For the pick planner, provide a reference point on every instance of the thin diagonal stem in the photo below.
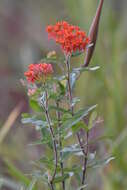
(60, 144)
(85, 160)
(69, 83)
(53, 139)
(71, 99)
(51, 185)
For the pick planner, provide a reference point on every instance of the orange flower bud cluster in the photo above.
(36, 72)
(71, 38)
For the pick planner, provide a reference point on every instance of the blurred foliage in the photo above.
(22, 41)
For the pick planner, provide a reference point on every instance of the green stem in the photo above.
(72, 111)
(60, 145)
(53, 139)
(85, 160)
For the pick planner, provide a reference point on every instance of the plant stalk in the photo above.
(85, 160)
(71, 107)
(53, 139)
(60, 144)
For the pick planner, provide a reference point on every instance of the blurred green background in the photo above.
(23, 40)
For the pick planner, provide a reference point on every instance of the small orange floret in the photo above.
(71, 38)
(37, 71)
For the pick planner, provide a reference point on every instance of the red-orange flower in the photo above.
(71, 38)
(36, 72)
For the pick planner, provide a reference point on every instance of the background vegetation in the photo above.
(23, 40)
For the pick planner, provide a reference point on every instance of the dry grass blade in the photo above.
(10, 121)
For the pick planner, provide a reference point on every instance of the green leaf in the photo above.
(100, 138)
(76, 72)
(48, 162)
(34, 121)
(40, 142)
(39, 175)
(77, 117)
(74, 101)
(62, 88)
(35, 105)
(70, 151)
(61, 178)
(53, 96)
(92, 118)
(78, 126)
(59, 109)
(82, 69)
(68, 135)
(101, 163)
(73, 78)
(46, 137)
(25, 115)
(75, 169)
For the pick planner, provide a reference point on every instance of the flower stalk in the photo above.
(53, 140)
(72, 111)
(85, 159)
(60, 144)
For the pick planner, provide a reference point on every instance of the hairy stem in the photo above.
(85, 160)
(60, 145)
(69, 83)
(70, 96)
(72, 110)
(53, 139)
(51, 185)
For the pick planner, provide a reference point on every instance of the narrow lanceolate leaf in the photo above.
(73, 77)
(77, 117)
(82, 69)
(48, 162)
(40, 142)
(73, 150)
(62, 110)
(34, 121)
(101, 163)
(75, 101)
(78, 126)
(77, 71)
(93, 33)
(61, 178)
(92, 118)
(35, 106)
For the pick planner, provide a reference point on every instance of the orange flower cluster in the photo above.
(39, 71)
(71, 38)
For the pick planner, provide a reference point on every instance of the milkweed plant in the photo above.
(64, 130)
